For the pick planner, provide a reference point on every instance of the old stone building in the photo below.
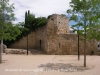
(55, 38)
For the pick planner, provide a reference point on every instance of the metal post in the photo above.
(84, 50)
(27, 44)
(78, 49)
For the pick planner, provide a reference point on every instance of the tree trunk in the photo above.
(1, 51)
(0, 55)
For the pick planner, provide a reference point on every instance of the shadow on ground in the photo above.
(62, 67)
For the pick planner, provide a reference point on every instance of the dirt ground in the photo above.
(13, 64)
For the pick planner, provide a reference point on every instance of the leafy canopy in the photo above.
(7, 30)
(33, 23)
(86, 14)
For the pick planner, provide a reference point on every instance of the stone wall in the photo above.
(41, 38)
(36, 40)
(68, 45)
(55, 38)
(62, 25)
(60, 41)
(22, 43)
(91, 46)
(63, 44)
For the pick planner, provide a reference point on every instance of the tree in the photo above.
(32, 23)
(29, 20)
(11, 32)
(86, 14)
(6, 16)
(74, 15)
(16, 31)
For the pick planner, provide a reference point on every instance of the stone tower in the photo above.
(57, 26)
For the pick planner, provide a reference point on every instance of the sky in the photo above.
(40, 8)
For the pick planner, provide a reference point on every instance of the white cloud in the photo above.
(39, 7)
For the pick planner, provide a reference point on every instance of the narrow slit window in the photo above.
(40, 44)
(59, 45)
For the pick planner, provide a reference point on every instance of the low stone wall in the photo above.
(16, 51)
(23, 51)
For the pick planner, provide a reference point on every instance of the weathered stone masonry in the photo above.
(55, 38)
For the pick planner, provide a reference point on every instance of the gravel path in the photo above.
(48, 65)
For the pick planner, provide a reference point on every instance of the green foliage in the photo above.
(41, 21)
(86, 14)
(33, 23)
(6, 10)
(49, 16)
(30, 25)
(7, 30)
(11, 32)
(17, 29)
(22, 29)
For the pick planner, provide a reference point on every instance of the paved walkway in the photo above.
(48, 65)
